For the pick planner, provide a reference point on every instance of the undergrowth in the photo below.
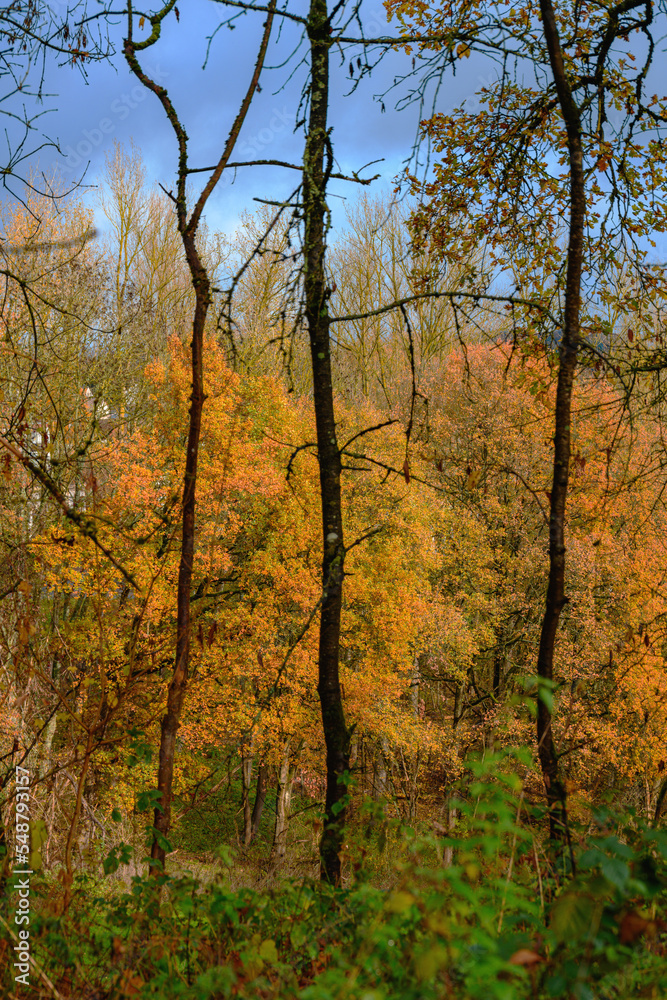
(500, 923)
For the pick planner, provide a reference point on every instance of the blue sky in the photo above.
(109, 104)
(89, 112)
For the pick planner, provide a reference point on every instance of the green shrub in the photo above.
(498, 924)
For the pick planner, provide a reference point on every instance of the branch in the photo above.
(301, 447)
(475, 296)
(89, 234)
(397, 472)
(362, 538)
(84, 524)
(289, 166)
(513, 472)
(266, 10)
(368, 430)
(238, 122)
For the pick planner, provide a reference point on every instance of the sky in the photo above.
(89, 112)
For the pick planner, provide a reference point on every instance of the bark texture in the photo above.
(285, 777)
(316, 170)
(568, 352)
(260, 799)
(178, 685)
(246, 776)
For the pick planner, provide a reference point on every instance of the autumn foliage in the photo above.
(445, 502)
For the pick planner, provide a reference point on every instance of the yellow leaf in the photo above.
(429, 962)
(474, 477)
(142, 21)
(399, 901)
(437, 924)
(268, 952)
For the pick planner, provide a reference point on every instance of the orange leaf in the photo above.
(526, 958)
(474, 476)
(633, 925)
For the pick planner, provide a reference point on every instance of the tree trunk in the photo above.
(380, 783)
(179, 681)
(260, 798)
(45, 750)
(246, 778)
(286, 772)
(568, 350)
(413, 761)
(188, 228)
(315, 176)
(497, 672)
(660, 802)
(451, 815)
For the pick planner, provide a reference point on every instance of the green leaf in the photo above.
(298, 936)
(430, 962)
(338, 807)
(38, 837)
(162, 842)
(110, 863)
(148, 800)
(545, 692)
(399, 901)
(267, 951)
(615, 871)
(572, 916)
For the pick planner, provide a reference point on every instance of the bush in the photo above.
(498, 924)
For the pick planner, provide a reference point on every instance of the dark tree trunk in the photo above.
(317, 166)
(178, 684)
(568, 350)
(497, 671)
(380, 782)
(188, 228)
(260, 799)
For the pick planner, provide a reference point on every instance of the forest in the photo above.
(333, 545)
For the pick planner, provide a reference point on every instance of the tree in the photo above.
(588, 111)
(188, 226)
(312, 281)
(316, 294)
(30, 35)
(73, 383)
(309, 207)
(374, 266)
